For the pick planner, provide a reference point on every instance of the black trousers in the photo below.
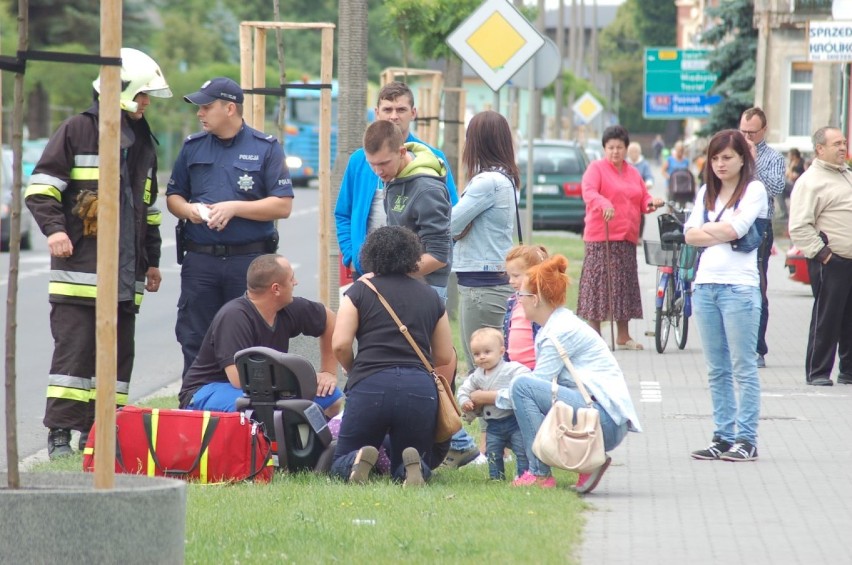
(763, 253)
(71, 386)
(831, 318)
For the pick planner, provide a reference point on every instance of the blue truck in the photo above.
(301, 142)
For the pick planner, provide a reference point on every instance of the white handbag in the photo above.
(565, 443)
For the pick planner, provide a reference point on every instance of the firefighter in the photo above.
(63, 198)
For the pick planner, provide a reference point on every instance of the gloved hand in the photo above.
(86, 209)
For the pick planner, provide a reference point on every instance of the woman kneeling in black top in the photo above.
(389, 392)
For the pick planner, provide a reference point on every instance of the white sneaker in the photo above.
(481, 459)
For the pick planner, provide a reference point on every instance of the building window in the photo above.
(801, 88)
(811, 6)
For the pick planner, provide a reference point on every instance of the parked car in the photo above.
(6, 206)
(32, 150)
(558, 168)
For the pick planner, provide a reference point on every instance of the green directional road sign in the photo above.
(677, 83)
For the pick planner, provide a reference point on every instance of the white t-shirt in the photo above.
(720, 264)
(378, 217)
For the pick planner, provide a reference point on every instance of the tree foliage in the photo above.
(656, 22)
(424, 25)
(734, 42)
(649, 23)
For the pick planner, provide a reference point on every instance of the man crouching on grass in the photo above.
(267, 315)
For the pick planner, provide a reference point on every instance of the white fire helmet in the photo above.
(139, 73)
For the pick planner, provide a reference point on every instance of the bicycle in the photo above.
(675, 262)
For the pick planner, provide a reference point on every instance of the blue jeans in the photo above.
(501, 434)
(222, 397)
(532, 399)
(400, 402)
(728, 317)
(442, 292)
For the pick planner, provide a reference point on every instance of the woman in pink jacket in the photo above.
(616, 198)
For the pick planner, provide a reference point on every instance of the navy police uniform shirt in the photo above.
(248, 167)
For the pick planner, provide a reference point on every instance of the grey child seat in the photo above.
(278, 390)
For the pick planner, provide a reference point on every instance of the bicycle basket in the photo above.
(688, 262)
(656, 255)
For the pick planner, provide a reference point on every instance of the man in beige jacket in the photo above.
(820, 220)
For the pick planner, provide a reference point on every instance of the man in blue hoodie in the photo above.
(359, 206)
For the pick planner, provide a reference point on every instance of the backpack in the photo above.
(682, 183)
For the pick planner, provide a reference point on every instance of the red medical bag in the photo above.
(194, 445)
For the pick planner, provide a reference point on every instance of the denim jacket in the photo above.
(591, 358)
(487, 202)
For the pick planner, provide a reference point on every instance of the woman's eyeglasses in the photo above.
(521, 293)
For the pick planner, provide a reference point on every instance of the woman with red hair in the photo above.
(542, 296)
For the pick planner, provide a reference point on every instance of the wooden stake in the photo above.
(108, 203)
(324, 174)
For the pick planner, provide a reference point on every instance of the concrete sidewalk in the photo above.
(792, 505)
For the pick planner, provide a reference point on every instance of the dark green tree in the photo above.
(649, 23)
(656, 22)
(734, 50)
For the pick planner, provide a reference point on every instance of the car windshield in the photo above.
(552, 160)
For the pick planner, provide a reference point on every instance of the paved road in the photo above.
(793, 505)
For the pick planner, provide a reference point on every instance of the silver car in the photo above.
(6, 206)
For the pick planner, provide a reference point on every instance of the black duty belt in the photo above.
(226, 250)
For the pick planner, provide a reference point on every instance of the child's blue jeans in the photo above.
(499, 435)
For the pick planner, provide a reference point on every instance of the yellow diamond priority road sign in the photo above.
(496, 40)
(587, 107)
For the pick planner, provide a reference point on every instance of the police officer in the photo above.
(229, 184)
(63, 198)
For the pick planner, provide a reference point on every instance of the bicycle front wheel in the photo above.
(663, 323)
(681, 330)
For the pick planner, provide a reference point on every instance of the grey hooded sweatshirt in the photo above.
(417, 199)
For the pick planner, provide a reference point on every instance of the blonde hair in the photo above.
(530, 254)
(487, 333)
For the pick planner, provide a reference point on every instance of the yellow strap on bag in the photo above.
(155, 420)
(202, 466)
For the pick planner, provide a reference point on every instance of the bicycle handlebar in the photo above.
(673, 237)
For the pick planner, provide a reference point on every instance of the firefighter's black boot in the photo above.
(58, 443)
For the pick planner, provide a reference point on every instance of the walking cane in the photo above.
(609, 287)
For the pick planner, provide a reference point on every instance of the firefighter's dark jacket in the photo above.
(68, 166)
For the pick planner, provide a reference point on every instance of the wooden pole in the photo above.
(259, 81)
(13, 474)
(108, 202)
(246, 72)
(325, 204)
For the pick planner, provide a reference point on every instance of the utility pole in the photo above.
(560, 78)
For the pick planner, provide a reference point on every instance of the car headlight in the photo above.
(294, 163)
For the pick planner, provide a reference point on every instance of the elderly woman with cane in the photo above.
(616, 198)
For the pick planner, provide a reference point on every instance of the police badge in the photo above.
(245, 183)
